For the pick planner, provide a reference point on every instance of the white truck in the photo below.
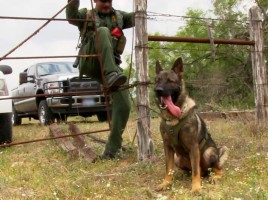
(52, 78)
(5, 107)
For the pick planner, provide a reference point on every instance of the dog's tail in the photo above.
(223, 155)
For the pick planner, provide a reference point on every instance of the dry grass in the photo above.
(43, 171)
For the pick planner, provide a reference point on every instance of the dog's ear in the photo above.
(158, 67)
(178, 67)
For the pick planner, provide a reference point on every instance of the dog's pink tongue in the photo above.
(175, 110)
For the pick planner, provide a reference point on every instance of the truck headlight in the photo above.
(3, 88)
(54, 87)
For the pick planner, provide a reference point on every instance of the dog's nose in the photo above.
(159, 90)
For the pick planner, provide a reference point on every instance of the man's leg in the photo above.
(121, 101)
(120, 115)
(91, 66)
(112, 73)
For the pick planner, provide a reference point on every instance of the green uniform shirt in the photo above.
(73, 12)
(90, 66)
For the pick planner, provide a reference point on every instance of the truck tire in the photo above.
(45, 115)
(16, 120)
(5, 128)
(102, 116)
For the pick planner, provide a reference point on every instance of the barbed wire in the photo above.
(43, 19)
(182, 21)
(202, 24)
(45, 57)
(156, 14)
(200, 21)
(152, 16)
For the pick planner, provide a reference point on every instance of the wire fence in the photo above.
(199, 21)
(155, 14)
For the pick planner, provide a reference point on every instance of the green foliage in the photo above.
(224, 78)
(218, 78)
(264, 5)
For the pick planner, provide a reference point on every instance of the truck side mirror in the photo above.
(5, 69)
(23, 77)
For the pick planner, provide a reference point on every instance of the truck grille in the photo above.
(85, 84)
(67, 101)
(79, 100)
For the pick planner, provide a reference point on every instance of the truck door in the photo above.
(30, 90)
(18, 103)
(19, 92)
(28, 105)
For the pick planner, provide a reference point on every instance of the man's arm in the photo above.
(128, 19)
(73, 12)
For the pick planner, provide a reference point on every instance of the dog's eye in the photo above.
(172, 79)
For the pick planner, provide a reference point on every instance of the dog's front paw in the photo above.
(196, 187)
(218, 173)
(163, 186)
(214, 178)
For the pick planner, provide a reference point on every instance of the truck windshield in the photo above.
(55, 68)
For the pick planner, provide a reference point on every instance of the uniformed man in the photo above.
(109, 23)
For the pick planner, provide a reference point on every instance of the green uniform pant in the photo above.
(120, 99)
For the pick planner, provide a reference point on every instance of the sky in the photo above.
(60, 38)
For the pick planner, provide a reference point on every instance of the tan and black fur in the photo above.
(187, 142)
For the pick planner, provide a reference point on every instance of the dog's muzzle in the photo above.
(159, 91)
(166, 100)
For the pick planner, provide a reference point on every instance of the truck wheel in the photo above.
(102, 116)
(16, 120)
(45, 115)
(5, 128)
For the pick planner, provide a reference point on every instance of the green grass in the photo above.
(44, 171)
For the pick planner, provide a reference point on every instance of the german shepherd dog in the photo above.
(187, 142)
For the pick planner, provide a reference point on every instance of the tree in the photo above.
(209, 77)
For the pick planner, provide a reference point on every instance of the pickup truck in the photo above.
(54, 78)
(5, 107)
